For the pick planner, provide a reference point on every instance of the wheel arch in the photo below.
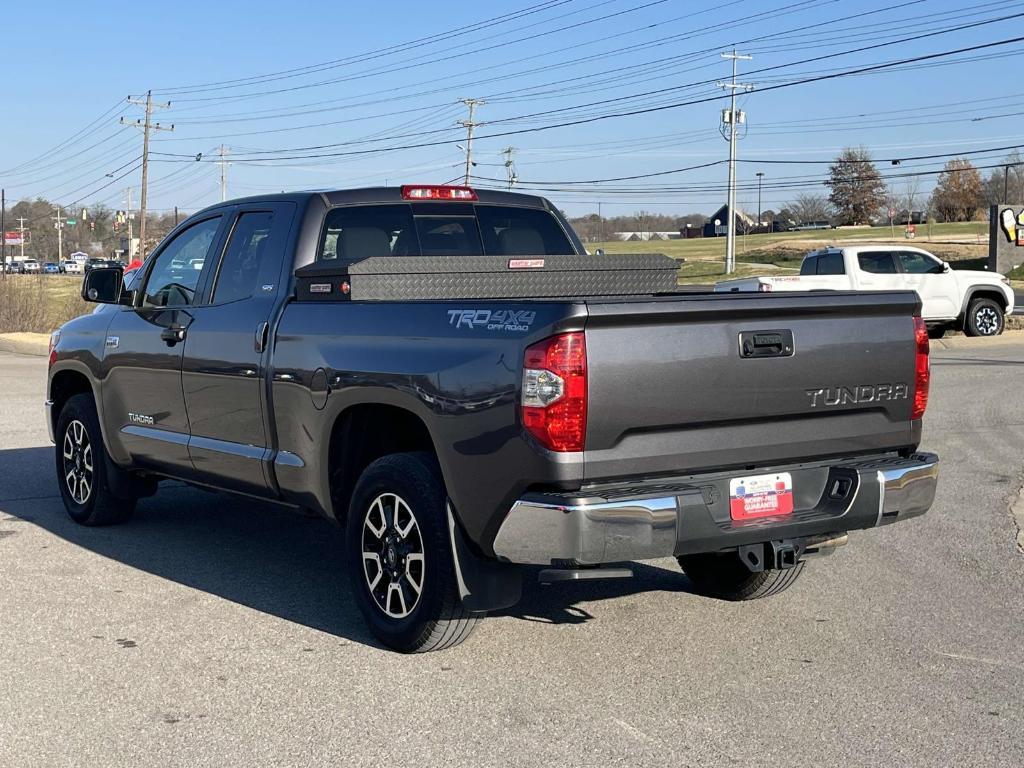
(65, 384)
(363, 433)
(983, 292)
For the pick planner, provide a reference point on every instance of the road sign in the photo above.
(13, 238)
(892, 213)
(72, 222)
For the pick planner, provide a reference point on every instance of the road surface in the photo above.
(213, 631)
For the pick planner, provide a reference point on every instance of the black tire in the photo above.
(726, 577)
(985, 317)
(392, 491)
(82, 467)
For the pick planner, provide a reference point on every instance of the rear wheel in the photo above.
(984, 318)
(82, 467)
(726, 577)
(400, 559)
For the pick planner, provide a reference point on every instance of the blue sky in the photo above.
(384, 82)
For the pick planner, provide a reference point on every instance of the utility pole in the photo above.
(59, 226)
(21, 231)
(128, 220)
(731, 120)
(510, 169)
(600, 222)
(223, 173)
(469, 125)
(146, 125)
(760, 175)
(3, 232)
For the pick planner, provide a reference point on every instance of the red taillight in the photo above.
(554, 397)
(922, 369)
(442, 192)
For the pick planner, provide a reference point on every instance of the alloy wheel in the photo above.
(393, 556)
(78, 468)
(987, 321)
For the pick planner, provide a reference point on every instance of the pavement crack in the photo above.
(1017, 513)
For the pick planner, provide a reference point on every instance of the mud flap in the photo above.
(484, 585)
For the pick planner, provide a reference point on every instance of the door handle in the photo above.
(261, 336)
(172, 336)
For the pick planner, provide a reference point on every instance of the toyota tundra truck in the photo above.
(449, 376)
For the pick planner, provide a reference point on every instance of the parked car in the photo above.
(448, 375)
(12, 267)
(51, 268)
(977, 302)
(30, 267)
(93, 263)
(72, 267)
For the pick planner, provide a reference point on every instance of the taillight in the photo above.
(437, 192)
(51, 352)
(922, 369)
(554, 398)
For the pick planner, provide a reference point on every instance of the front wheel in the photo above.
(82, 468)
(984, 318)
(400, 558)
(726, 577)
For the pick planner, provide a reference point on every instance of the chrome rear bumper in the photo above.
(615, 525)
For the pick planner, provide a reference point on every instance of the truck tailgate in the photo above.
(670, 392)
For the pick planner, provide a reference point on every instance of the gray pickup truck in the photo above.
(449, 375)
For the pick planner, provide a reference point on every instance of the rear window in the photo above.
(877, 262)
(830, 264)
(357, 232)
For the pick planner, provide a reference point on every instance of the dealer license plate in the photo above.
(761, 496)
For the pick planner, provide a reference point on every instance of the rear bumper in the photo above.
(613, 524)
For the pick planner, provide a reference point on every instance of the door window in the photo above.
(173, 279)
(877, 262)
(240, 265)
(831, 264)
(915, 263)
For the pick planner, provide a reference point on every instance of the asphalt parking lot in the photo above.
(212, 631)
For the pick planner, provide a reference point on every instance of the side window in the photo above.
(809, 266)
(877, 262)
(831, 264)
(240, 265)
(919, 264)
(175, 275)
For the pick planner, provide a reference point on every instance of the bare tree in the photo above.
(809, 207)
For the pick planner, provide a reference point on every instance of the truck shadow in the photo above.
(257, 554)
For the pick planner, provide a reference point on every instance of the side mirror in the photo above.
(104, 285)
(599, 252)
(946, 267)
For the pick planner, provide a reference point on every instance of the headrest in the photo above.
(363, 242)
(520, 242)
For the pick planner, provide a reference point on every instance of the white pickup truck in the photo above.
(977, 302)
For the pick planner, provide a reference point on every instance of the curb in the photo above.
(25, 343)
(977, 342)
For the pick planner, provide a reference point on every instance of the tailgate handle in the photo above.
(777, 343)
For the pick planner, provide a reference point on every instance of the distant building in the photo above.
(744, 223)
(635, 237)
